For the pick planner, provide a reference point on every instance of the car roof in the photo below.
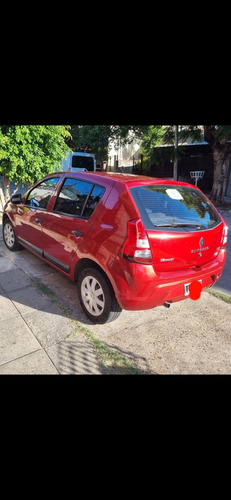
(131, 180)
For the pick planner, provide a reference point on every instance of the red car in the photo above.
(130, 242)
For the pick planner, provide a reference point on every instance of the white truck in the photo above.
(77, 161)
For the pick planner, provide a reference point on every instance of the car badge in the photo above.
(201, 242)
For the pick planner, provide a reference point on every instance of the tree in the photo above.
(29, 152)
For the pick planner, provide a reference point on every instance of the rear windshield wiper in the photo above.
(178, 224)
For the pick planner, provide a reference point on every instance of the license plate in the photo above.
(186, 288)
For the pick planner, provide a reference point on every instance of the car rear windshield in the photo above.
(174, 208)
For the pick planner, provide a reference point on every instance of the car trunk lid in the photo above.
(181, 250)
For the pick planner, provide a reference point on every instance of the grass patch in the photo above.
(43, 288)
(113, 363)
(112, 360)
(219, 295)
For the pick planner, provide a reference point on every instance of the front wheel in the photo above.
(9, 236)
(97, 297)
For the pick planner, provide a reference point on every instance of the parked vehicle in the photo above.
(77, 161)
(130, 242)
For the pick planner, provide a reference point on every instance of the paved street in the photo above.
(192, 337)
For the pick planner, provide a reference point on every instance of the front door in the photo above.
(31, 215)
(66, 225)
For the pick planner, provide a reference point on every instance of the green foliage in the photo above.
(185, 133)
(152, 136)
(28, 152)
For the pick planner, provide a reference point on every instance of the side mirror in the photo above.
(16, 199)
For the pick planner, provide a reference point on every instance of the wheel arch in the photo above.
(16, 245)
(84, 264)
(108, 309)
(5, 217)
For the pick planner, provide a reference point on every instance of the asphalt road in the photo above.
(191, 337)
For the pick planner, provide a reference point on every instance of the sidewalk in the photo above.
(35, 338)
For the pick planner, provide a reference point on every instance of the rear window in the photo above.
(174, 208)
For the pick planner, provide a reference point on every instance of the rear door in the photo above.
(183, 227)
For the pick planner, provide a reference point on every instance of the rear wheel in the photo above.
(9, 236)
(97, 297)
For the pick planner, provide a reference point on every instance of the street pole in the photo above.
(175, 151)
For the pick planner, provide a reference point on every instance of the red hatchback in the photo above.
(130, 242)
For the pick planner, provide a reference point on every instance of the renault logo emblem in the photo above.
(201, 242)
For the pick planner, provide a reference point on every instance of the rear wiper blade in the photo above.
(178, 224)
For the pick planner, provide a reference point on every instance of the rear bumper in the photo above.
(142, 288)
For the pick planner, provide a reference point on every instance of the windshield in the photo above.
(175, 208)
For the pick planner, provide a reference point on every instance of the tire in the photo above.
(97, 297)
(9, 237)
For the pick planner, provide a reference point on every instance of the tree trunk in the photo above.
(6, 182)
(216, 193)
(221, 152)
(5, 195)
(225, 178)
(2, 198)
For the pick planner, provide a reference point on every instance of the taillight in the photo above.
(136, 247)
(224, 238)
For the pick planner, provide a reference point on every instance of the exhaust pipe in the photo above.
(166, 304)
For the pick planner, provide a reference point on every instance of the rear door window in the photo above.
(174, 208)
(78, 197)
(93, 200)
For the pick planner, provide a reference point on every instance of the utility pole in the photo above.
(175, 151)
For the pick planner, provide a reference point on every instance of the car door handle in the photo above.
(77, 233)
(39, 221)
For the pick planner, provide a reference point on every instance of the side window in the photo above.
(93, 200)
(78, 198)
(72, 196)
(40, 195)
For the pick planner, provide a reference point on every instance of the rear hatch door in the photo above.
(184, 228)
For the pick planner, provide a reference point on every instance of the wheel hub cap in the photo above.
(8, 235)
(92, 295)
